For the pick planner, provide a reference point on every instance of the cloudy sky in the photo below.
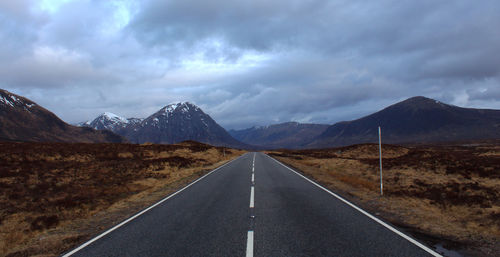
(249, 63)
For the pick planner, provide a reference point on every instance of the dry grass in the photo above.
(55, 196)
(447, 192)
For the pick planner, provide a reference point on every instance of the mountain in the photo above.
(173, 123)
(23, 120)
(179, 122)
(112, 122)
(284, 135)
(415, 120)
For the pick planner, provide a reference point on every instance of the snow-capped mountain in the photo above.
(23, 120)
(179, 122)
(109, 121)
(173, 123)
(112, 122)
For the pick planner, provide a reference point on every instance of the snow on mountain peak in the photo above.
(10, 99)
(182, 106)
(114, 117)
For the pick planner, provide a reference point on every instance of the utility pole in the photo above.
(380, 160)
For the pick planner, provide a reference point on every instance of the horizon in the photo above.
(271, 124)
(250, 63)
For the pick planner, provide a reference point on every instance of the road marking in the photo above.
(250, 244)
(142, 212)
(253, 163)
(415, 242)
(251, 197)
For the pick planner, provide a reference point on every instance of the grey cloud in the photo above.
(18, 26)
(316, 60)
(48, 67)
(426, 38)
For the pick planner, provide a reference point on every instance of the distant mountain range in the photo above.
(285, 135)
(23, 120)
(173, 123)
(415, 120)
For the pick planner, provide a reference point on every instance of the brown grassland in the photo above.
(54, 196)
(447, 194)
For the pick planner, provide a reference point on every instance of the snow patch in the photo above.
(6, 101)
(15, 99)
(114, 117)
(183, 107)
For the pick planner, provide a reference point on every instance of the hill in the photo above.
(23, 120)
(171, 124)
(415, 120)
(285, 135)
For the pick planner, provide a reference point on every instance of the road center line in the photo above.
(252, 197)
(250, 244)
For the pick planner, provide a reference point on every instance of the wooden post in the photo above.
(380, 160)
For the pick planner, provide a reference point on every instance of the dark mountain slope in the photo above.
(285, 135)
(179, 122)
(415, 120)
(23, 120)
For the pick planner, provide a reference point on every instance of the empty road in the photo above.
(252, 206)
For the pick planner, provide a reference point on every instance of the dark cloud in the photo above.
(250, 62)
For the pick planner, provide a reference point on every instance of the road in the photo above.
(279, 213)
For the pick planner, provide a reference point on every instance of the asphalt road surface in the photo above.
(252, 206)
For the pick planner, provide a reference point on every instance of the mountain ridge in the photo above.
(283, 135)
(415, 120)
(24, 120)
(173, 123)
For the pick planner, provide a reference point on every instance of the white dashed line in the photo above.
(252, 197)
(250, 244)
(250, 232)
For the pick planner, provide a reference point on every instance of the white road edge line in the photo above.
(142, 212)
(250, 244)
(252, 197)
(253, 178)
(415, 242)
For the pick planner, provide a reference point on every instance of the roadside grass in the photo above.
(54, 196)
(449, 193)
